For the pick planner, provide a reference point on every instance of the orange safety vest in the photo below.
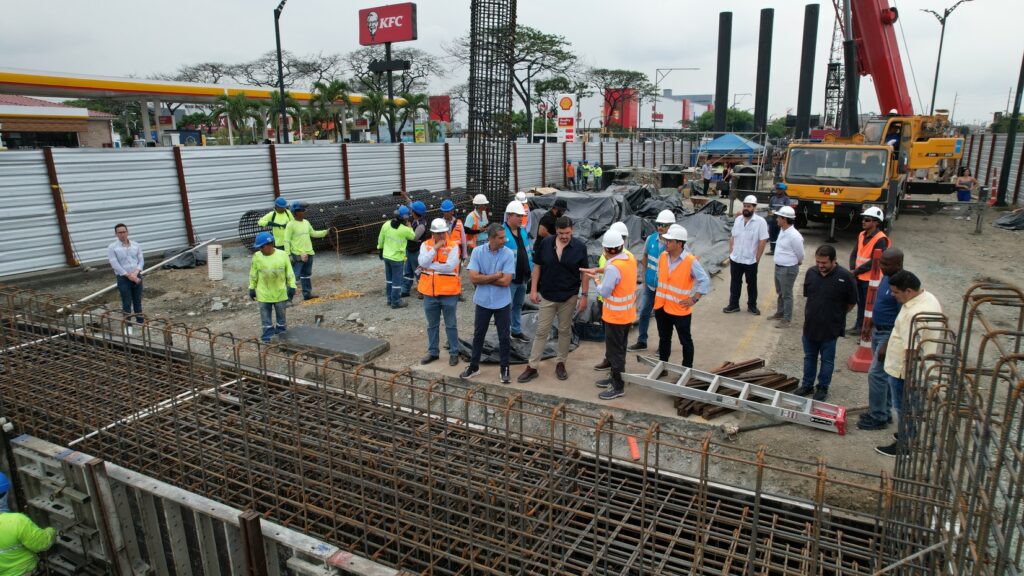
(455, 235)
(479, 223)
(620, 307)
(675, 286)
(526, 218)
(864, 252)
(570, 171)
(434, 283)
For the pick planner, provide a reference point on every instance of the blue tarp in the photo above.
(731, 145)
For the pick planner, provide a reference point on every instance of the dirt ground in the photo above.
(940, 248)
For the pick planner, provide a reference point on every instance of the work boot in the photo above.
(560, 371)
(783, 323)
(804, 391)
(453, 360)
(428, 359)
(776, 316)
(638, 346)
(400, 305)
(603, 366)
(309, 296)
(506, 375)
(892, 450)
(754, 310)
(820, 394)
(527, 375)
(731, 309)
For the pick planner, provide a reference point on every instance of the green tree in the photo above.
(373, 107)
(331, 99)
(271, 111)
(196, 121)
(424, 67)
(238, 109)
(547, 90)
(616, 86)
(777, 128)
(735, 121)
(127, 115)
(414, 103)
(1001, 124)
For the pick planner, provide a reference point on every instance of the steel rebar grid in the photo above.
(440, 478)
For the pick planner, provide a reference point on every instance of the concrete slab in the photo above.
(348, 346)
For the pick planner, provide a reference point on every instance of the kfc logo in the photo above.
(372, 21)
(384, 24)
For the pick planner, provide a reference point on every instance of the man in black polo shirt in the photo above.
(831, 293)
(554, 286)
(546, 225)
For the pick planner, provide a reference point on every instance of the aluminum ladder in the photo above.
(777, 404)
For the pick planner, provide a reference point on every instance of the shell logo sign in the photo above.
(566, 118)
(565, 103)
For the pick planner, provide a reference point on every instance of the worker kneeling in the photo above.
(682, 281)
(271, 283)
(440, 285)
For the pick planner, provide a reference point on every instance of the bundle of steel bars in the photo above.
(752, 371)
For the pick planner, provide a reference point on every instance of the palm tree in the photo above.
(413, 104)
(373, 107)
(271, 111)
(238, 109)
(332, 99)
(433, 131)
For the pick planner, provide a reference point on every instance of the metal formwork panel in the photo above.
(311, 173)
(25, 189)
(223, 183)
(555, 167)
(528, 162)
(373, 169)
(424, 167)
(457, 157)
(137, 187)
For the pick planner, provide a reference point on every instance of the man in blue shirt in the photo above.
(125, 257)
(652, 251)
(491, 268)
(879, 327)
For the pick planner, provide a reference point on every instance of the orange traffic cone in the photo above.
(860, 360)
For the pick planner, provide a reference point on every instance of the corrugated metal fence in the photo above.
(984, 156)
(63, 203)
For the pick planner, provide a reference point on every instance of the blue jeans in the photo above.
(409, 275)
(518, 295)
(304, 274)
(267, 310)
(646, 309)
(434, 307)
(393, 275)
(813, 349)
(907, 429)
(879, 400)
(131, 298)
(481, 322)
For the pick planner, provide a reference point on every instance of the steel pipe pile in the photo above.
(353, 224)
(441, 477)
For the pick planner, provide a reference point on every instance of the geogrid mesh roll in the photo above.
(353, 224)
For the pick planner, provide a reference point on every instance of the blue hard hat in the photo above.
(262, 239)
(419, 208)
(781, 185)
(447, 206)
(403, 211)
(5, 484)
(296, 206)
(281, 203)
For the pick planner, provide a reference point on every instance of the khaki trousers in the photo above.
(546, 315)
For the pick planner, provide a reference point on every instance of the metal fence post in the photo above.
(59, 207)
(515, 166)
(977, 161)
(401, 163)
(344, 170)
(447, 167)
(273, 171)
(565, 160)
(183, 192)
(544, 163)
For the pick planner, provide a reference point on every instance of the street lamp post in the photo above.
(942, 36)
(659, 75)
(283, 131)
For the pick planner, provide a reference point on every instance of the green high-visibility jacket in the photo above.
(586, 170)
(20, 541)
(298, 237)
(277, 221)
(392, 241)
(598, 171)
(271, 276)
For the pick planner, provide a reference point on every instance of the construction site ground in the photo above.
(941, 248)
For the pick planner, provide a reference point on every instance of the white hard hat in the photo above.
(786, 211)
(666, 217)
(620, 228)
(438, 225)
(676, 232)
(874, 212)
(612, 239)
(751, 199)
(480, 200)
(521, 196)
(515, 207)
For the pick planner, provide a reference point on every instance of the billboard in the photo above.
(391, 23)
(621, 108)
(441, 108)
(566, 104)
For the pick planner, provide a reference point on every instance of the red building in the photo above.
(621, 108)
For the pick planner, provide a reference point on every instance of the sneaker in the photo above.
(428, 359)
(776, 316)
(400, 305)
(603, 366)
(506, 375)
(783, 323)
(470, 371)
(638, 346)
(527, 375)
(560, 371)
(754, 310)
(871, 424)
(730, 310)
(604, 383)
(453, 360)
(611, 394)
(892, 450)
(309, 296)
(804, 391)
(820, 394)
(519, 336)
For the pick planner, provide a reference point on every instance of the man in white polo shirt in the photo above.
(749, 237)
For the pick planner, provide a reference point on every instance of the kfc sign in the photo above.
(391, 23)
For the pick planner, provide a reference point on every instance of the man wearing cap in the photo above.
(125, 257)
(518, 242)
(476, 222)
(298, 244)
(682, 281)
(440, 285)
(277, 219)
(456, 231)
(618, 288)
(653, 248)
(789, 255)
(546, 226)
(21, 540)
(271, 283)
(391, 241)
(746, 245)
(776, 201)
(491, 268)
(420, 228)
(870, 239)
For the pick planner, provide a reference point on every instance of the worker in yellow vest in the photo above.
(682, 281)
(870, 239)
(597, 171)
(277, 219)
(21, 540)
(618, 288)
(298, 244)
(271, 284)
(440, 285)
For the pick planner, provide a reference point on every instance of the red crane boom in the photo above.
(878, 54)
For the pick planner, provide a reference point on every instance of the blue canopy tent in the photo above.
(729, 146)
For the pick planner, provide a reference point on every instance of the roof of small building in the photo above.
(18, 100)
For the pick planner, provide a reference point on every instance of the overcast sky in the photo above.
(981, 56)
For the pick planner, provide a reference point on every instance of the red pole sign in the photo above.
(391, 23)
